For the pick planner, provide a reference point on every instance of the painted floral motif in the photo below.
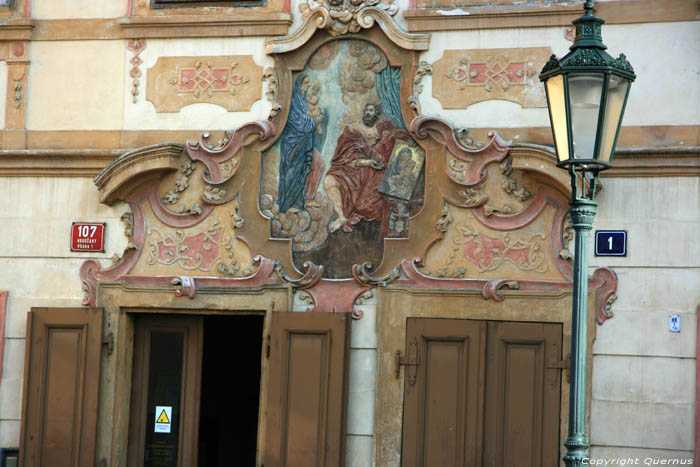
(488, 254)
(213, 249)
(204, 80)
(496, 71)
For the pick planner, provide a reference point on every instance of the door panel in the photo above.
(442, 407)
(166, 372)
(62, 369)
(307, 389)
(522, 399)
(483, 393)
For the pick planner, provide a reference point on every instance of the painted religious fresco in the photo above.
(344, 173)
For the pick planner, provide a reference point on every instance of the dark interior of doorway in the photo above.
(230, 391)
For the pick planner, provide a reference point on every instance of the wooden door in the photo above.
(481, 393)
(166, 373)
(307, 388)
(443, 393)
(521, 419)
(61, 381)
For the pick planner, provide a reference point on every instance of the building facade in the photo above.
(335, 234)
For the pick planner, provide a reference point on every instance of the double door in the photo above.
(210, 389)
(481, 393)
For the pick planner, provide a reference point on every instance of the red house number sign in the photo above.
(87, 236)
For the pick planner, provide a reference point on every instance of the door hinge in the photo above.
(108, 342)
(411, 361)
(561, 365)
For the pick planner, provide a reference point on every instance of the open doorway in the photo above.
(230, 394)
(195, 390)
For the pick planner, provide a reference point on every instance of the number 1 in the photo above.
(610, 243)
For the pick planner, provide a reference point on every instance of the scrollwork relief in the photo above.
(213, 194)
(456, 169)
(220, 144)
(181, 184)
(424, 69)
(362, 274)
(489, 210)
(473, 197)
(510, 184)
(128, 219)
(463, 137)
(567, 237)
(339, 17)
(365, 297)
(312, 275)
(445, 218)
(272, 91)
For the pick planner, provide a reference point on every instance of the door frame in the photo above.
(397, 303)
(122, 303)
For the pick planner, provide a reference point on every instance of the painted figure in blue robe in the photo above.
(301, 143)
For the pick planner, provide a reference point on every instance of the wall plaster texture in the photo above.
(76, 85)
(38, 269)
(3, 92)
(673, 47)
(644, 375)
(60, 9)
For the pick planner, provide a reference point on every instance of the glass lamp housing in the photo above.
(586, 95)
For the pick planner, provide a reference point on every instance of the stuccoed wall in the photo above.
(37, 268)
(659, 52)
(643, 376)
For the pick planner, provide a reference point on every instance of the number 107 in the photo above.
(87, 230)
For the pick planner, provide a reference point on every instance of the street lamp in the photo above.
(586, 95)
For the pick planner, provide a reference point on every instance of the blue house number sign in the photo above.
(611, 243)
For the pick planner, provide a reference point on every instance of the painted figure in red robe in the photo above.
(360, 158)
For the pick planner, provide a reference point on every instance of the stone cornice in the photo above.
(629, 162)
(546, 14)
(655, 162)
(446, 19)
(150, 27)
(175, 26)
(16, 30)
(55, 162)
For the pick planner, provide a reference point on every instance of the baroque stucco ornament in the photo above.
(346, 16)
(480, 216)
(340, 17)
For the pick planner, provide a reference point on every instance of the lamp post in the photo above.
(586, 95)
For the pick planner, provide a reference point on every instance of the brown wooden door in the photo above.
(481, 393)
(443, 401)
(521, 419)
(166, 373)
(307, 388)
(61, 381)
